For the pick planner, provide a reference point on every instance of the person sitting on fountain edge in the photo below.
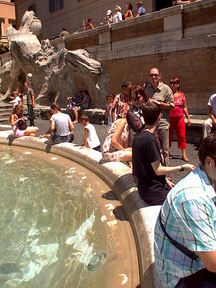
(153, 185)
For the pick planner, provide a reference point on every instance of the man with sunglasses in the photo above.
(161, 94)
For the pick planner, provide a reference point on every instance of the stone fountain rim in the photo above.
(142, 217)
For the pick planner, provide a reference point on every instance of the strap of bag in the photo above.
(179, 246)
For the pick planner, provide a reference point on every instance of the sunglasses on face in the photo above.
(154, 75)
(173, 82)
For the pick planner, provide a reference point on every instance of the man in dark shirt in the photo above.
(30, 102)
(153, 185)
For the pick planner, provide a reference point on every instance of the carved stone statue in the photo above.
(53, 75)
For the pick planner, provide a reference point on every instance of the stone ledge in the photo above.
(118, 176)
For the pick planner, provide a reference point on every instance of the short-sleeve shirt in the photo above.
(117, 17)
(29, 94)
(189, 217)
(145, 151)
(212, 103)
(93, 140)
(141, 11)
(162, 93)
(61, 124)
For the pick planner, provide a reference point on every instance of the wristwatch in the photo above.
(182, 168)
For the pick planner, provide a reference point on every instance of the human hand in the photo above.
(169, 183)
(154, 101)
(189, 167)
(188, 122)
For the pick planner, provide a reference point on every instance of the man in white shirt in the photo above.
(211, 121)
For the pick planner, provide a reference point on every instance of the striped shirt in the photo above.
(189, 217)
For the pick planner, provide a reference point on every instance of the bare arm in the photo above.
(164, 170)
(208, 259)
(186, 112)
(85, 137)
(117, 134)
(13, 121)
(52, 126)
(71, 126)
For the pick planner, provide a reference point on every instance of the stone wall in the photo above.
(180, 40)
(73, 13)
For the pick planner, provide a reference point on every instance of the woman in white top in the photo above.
(117, 17)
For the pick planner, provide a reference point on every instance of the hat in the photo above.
(118, 7)
(109, 12)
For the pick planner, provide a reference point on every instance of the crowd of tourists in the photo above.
(117, 15)
(141, 120)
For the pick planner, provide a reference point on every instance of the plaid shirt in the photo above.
(189, 217)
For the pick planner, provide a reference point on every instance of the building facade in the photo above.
(7, 19)
(55, 14)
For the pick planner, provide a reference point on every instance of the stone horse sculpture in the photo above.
(53, 75)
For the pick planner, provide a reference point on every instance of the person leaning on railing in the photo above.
(178, 2)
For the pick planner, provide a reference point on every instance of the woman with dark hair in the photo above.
(185, 232)
(134, 115)
(128, 14)
(177, 117)
(18, 123)
(116, 145)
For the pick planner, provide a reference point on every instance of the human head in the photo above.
(26, 84)
(175, 84)
(110, 98)
(84, 119)
(129, 6)
(18, 110)
(151, 113)
(126, 89)
(64, 29)
(90, 20)
(138, 96)
(139, 3)
(16, 92)
(109, 12)
(54, 108)
(155, 76)
(207, 156)
(117, 8)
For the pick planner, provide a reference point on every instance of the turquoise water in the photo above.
(51, 233)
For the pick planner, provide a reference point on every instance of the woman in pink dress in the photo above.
(177, 117)
(116, 145)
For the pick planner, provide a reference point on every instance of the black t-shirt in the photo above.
(152, 188)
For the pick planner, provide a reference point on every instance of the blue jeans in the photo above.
(31, 114)
(60, 139)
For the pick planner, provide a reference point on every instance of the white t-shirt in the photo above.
(61, 123)
(117, 17)
(212, 103)
(16, 101)
(93, 140)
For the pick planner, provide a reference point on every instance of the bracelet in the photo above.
(182, 168)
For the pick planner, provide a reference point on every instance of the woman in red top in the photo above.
(128, 14)
(177, 117)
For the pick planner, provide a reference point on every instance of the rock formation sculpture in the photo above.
(52, 75)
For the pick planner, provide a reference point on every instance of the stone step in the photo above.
(5, 113)
(4, 120)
